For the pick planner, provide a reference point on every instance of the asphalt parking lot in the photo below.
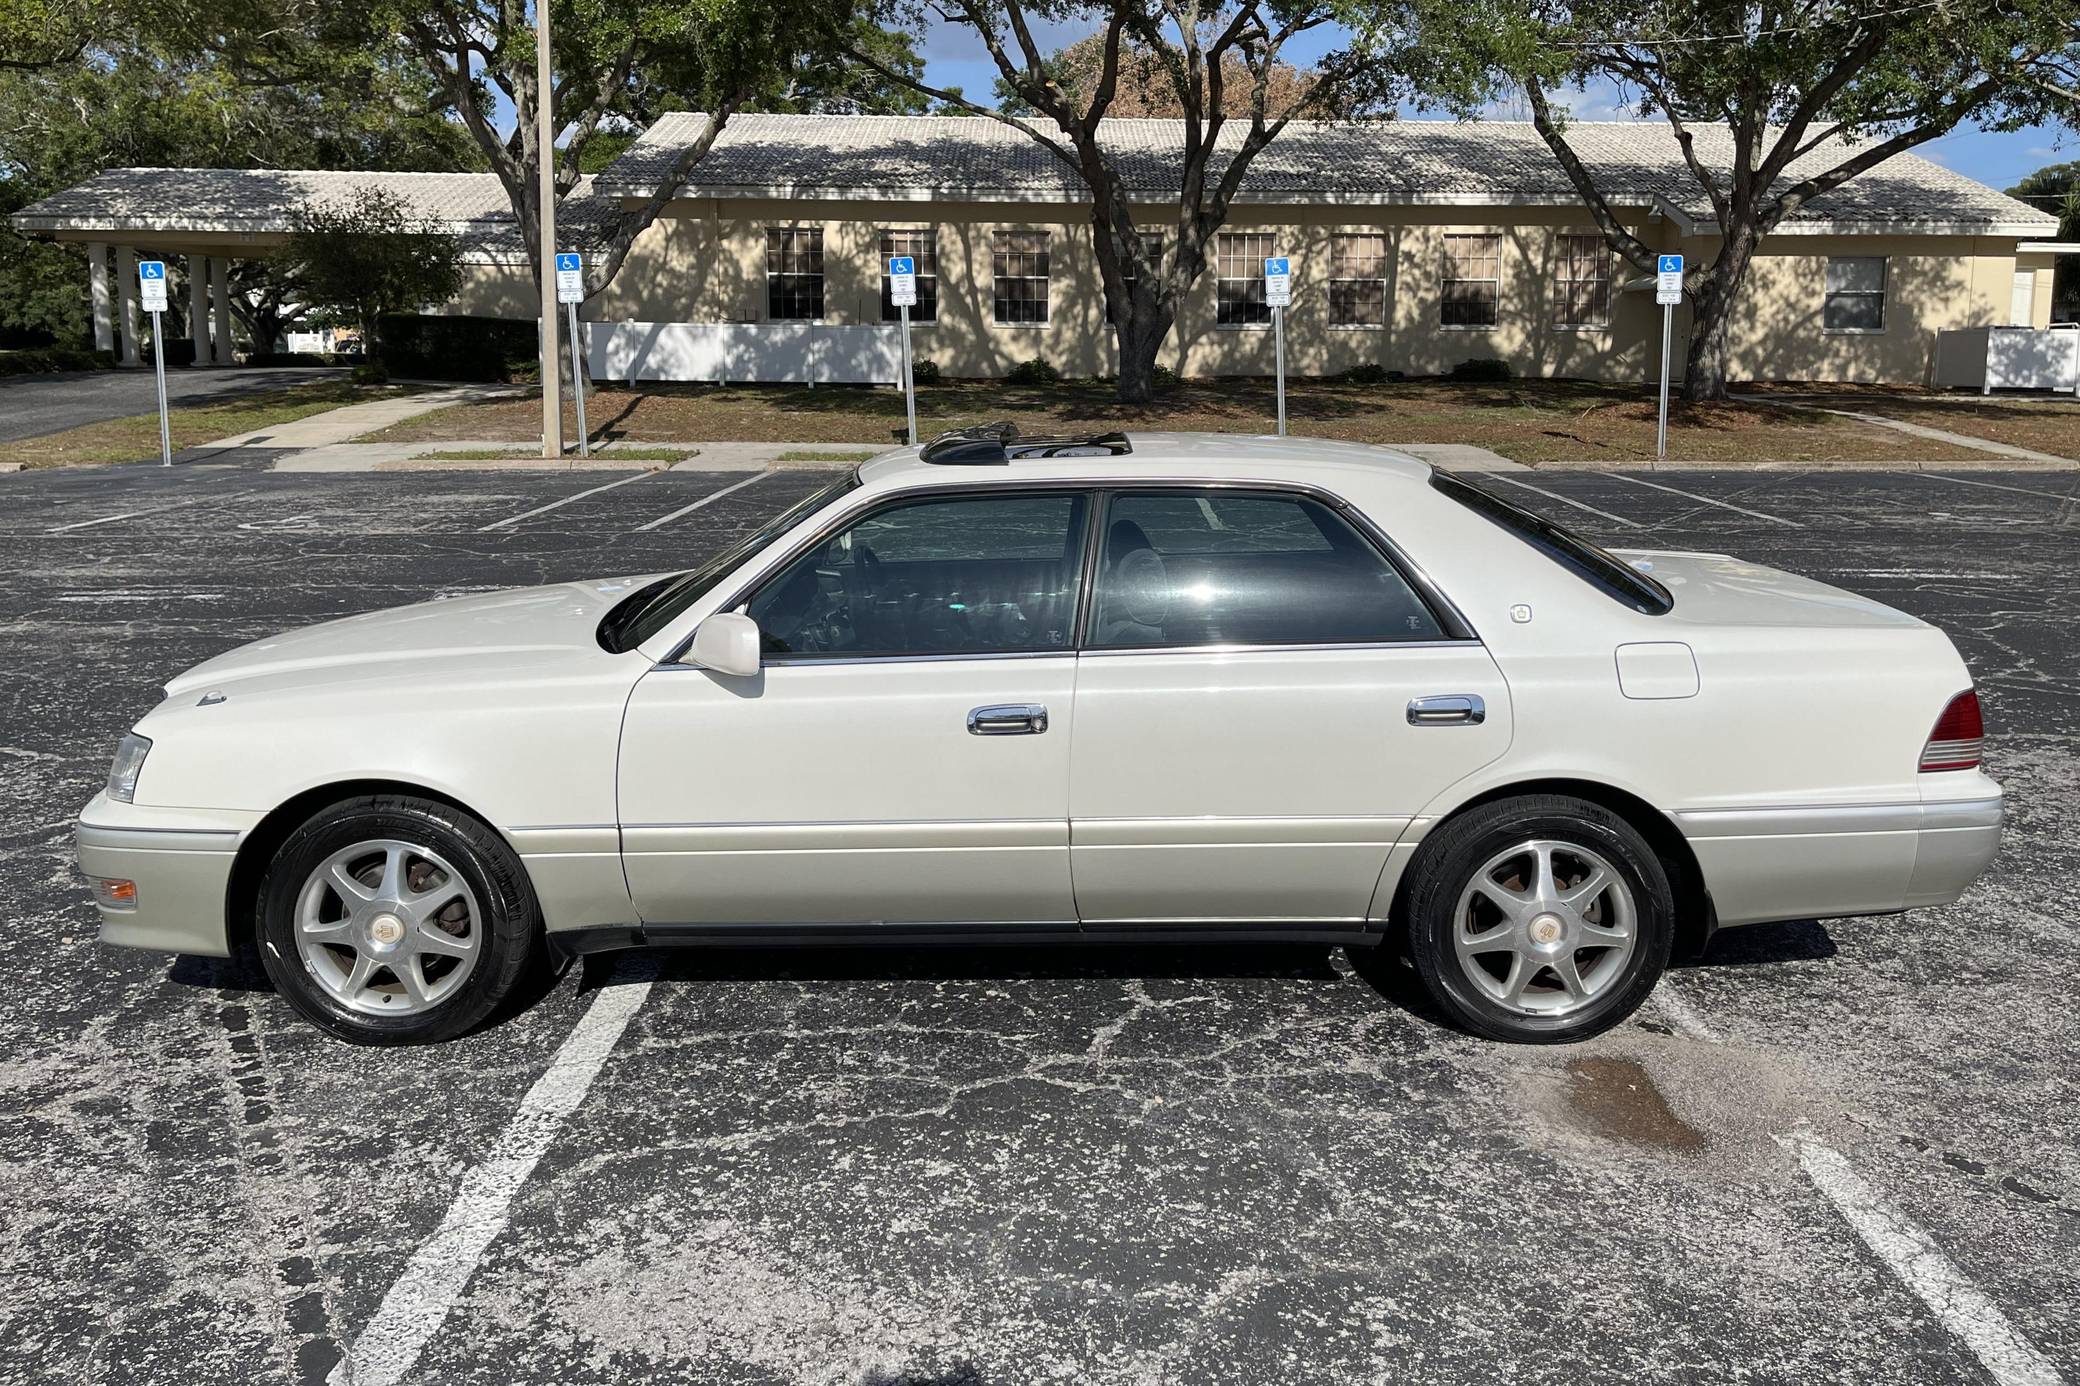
(1842, 1151)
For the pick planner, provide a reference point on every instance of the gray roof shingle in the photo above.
(1433, 161)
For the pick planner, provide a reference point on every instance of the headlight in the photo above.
(122, 776)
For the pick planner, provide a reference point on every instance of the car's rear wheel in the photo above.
(1538, 920)
(391, 919)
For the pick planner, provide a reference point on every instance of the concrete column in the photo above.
(220, 300)
(198, 306)
(126, 297)
(104, 306)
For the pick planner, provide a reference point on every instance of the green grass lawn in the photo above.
(136, 438)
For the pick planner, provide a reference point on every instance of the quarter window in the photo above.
(1472, 281)
(952, 575)
(1238, 294)
(1226, 567)
(1021, 267)
(922, 246)
(1855, 293)
(1582, 289)
(1358, 280)
(794, 273)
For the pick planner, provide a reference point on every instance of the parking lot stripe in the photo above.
(1989, 485)
(1723, 505)
(151, 510)
(418, 1303)
(1564, 500)
(704, 500)
(1961, 1306)
(1908, 1251)
(555, 504)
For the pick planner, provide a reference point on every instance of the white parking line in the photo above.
(1723, 505)
(418, 1303)
(1913, 1256)
(704, 500)
(151, 510)
(1897, 1240)
(552, 505)
(1989, 485)
(1564, 500)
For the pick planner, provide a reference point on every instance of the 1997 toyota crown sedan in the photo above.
(1158, 687)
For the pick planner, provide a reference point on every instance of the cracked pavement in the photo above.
(1222, 1164)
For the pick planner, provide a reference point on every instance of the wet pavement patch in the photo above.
(1617, 1099)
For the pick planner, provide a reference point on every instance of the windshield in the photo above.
(1597, 567)
(649, 609)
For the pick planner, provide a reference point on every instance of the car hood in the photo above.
(519, 621)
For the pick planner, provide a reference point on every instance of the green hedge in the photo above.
(457, 348)
(40, 360)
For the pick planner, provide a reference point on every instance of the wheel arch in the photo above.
(257, 849)
(1696, 918)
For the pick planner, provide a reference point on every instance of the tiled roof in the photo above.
(1410, 161)
(169, 201)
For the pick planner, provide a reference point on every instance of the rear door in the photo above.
(1263, 702)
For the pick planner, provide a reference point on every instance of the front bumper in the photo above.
(1823, 862)
(181, 861)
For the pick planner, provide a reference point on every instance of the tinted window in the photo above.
(1245, 568)
(1593, 565)
(959, 575)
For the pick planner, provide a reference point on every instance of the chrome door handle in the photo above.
(1447, 710)
(1007, 719)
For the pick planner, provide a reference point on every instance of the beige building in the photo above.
(1415, 245)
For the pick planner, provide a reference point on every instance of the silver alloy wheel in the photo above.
(388, 927)
(1545, 927)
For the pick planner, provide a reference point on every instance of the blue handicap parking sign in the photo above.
(566, 261)
(1277, 265)
(151, 269)
(902, 264)
(1670, 264)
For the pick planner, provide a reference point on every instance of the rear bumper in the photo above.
(1822, 862)
(181, 862)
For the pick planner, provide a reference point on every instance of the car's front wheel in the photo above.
(392, 919)
(1539, 920)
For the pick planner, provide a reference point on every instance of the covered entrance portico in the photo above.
(204, 279)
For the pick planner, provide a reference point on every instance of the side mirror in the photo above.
(727, 642)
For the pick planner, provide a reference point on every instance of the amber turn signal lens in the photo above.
(115, 894)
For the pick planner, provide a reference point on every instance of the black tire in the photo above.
(1446, 864)
(508, 932)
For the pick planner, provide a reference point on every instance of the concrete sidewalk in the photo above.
(352, 420)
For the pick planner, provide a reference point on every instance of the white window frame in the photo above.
(822, 281)
(1444, 281)
(1251, 296)
(887, 241)
(998, 247)
(1883, 293)
(1564, 278)
(1386, 251)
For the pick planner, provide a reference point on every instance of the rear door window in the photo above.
(1234, 567)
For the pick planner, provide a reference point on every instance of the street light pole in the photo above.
(545, 145)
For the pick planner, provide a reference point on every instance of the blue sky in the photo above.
(955, 57)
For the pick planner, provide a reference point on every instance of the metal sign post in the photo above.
(570, 291)
(151, 296)
(902, 292)
(1668, 292)
(1278, 292)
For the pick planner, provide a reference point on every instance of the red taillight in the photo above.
(1954, 744)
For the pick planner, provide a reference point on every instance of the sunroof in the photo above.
(996, 444)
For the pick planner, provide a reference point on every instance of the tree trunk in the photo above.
(1140, 338)
(1705, 363)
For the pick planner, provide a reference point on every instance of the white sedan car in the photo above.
(1166, 687)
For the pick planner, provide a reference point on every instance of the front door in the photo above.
(1262, 705)
(903, 755)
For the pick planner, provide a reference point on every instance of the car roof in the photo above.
(1169, 456)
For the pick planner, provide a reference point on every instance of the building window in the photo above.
(1472, 280)
(1238, 294)
(922, 246)
(1582, 288)
(1020, 263)
(1855, 294)
(794, 273)
(1358, 280)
